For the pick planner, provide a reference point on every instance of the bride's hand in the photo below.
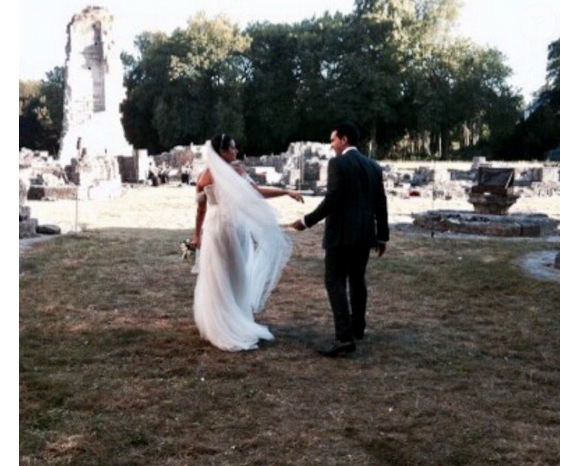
(196, 243)
(296, 196)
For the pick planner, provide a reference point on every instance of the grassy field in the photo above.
(460, 367)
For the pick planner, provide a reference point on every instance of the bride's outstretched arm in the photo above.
(269, 192)
(277, 192)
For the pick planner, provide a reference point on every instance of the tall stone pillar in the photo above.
(93, 89)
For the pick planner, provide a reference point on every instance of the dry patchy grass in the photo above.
(460, 367)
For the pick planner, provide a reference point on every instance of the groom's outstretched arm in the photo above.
(332, 199)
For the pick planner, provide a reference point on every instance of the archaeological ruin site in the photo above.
(96, 161)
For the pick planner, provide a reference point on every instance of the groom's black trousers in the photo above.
(347, 263)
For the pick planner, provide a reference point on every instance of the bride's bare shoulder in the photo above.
(204, 179)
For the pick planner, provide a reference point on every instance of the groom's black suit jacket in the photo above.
(355, 205)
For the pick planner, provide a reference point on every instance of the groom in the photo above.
(355, 208)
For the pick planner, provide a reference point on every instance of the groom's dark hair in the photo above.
(349, 130)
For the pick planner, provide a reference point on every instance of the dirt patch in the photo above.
(26, 246)
(173, 207)
(540, 265)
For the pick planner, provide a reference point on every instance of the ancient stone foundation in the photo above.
(28, 225)
(52, 193)
(493, 204)
(490, 225)
(96, 177)
(134, 168)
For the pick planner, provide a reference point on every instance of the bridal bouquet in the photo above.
(187, 250)
(189, 253)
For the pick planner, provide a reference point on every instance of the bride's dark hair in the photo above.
(221, 142)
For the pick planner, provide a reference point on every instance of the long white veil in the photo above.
(269, 248)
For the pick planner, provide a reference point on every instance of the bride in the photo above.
(242, 250)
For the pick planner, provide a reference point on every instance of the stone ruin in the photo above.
(446, 183)
(538, 181)
(91, 178)
(180, 160)
(93, 136)
(492, 193)
(93, 145)
(424, 181)
(44, 176)
(308, 166)
(268, 169)
(93, 89)
(489, 225)
(96, 177)
(134, 169)
(302, 167)
(28, 225)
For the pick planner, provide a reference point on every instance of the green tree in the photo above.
(305, 77)
(185, 86)
(391, 66)
(414, 23)
(551, 90)
(27, 90)
(414, 35)
(270, 87)
(539, 130)
(41, 111)
(371, 81)
(531, 137)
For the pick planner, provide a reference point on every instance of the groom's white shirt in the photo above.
(303, 219)
(348, 149)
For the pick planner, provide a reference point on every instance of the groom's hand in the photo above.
(298, 225)
(381, 248)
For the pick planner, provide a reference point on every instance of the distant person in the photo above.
(185, 174)
(153, 174)
(163, 173)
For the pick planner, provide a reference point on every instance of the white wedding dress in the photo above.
(243, 252)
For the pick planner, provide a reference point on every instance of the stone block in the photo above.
(51, 193)
(48, 229)
(549, 175)
(24, 213)
(28, 228)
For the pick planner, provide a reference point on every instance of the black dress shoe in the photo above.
(338, 348)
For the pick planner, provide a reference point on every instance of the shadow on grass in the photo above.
(460, 364)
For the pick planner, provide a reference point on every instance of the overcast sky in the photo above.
(521, 29)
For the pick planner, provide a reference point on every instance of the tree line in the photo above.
(396, 68)
(41, 111)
